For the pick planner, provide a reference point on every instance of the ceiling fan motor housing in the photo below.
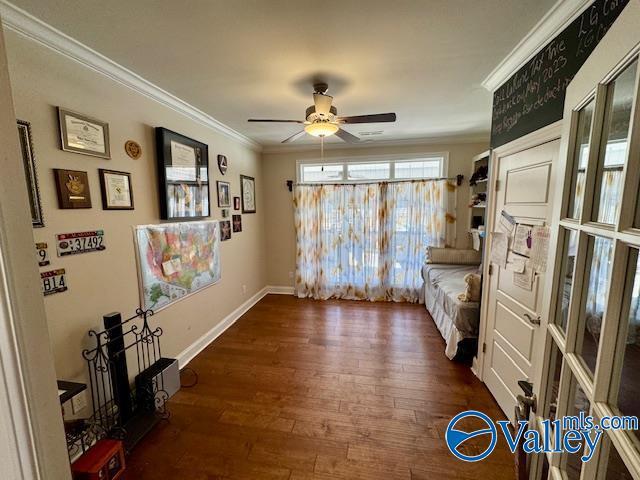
(313, 116)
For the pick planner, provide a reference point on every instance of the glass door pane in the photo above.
(566, 277)
(620, 98)
(595, 302)
(615, 467)
(580, 158)
(579, 403)
(629, 390)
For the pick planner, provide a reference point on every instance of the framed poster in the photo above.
(248, 194)
(29, 163)
(176, 260)
(117, 193)
(224, 194)
(183, 176)
(73, 188)
(82, 134)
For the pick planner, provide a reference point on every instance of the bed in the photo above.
(456, 320)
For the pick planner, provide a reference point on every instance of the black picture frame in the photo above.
(183, 182)
(106, 205)
(30, 172)
(248, 193)
(223, 192)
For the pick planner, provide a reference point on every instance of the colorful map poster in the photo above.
(176, 260)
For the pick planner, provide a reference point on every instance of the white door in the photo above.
(592, 348)
(524, 190)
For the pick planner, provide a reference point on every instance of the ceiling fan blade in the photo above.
(294, 137)
(375, 118)
(347, 137)
(322, 103)
(273, 121)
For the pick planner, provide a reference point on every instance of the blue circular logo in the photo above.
(455, 438)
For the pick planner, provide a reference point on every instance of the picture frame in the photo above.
(236, 203)
(236, 220)
(73, 189)
(83, 134)
(224, 193)
(225, 213)
(117, 192)
(30, 171)
(225, 230)
(248, 193)
(183, 176)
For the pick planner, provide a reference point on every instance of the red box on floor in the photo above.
(103, 461)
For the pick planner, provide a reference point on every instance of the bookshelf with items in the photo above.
(478, 184)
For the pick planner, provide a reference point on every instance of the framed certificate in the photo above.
(183, 175)
(82, 134)
(117, 193)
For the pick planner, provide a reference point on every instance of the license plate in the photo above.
(42, 254)
(80, 242)
(53, 281)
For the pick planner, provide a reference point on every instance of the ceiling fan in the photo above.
(322, 118)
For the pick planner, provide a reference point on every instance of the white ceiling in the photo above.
(236, 59)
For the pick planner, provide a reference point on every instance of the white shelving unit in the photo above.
(477, 217)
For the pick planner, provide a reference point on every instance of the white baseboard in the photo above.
(196, 347)
(280, 290)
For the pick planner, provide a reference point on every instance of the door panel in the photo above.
(528, 185)
(515, 330)
(524, 180)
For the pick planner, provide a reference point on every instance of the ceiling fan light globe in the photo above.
(321, 129)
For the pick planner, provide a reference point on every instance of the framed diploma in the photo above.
(117, 193)
(82, 134)
(183, 176)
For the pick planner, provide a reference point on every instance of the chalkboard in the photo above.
(534, 96)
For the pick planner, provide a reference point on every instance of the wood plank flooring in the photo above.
(309, 390)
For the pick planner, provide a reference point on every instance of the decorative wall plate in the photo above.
(133, 149)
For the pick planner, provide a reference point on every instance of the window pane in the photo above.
(368, 171)
(629, 391)
(420, 169)
(616, 131)
(581, 156)
(579, 403)
(321, 173)
(596, 300)
(616, 469)
(554, 382)
(566, 278)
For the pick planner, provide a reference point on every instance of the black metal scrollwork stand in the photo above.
(118, 410)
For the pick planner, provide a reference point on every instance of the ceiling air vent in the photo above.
(370, 134)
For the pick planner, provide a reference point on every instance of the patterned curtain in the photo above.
(368, 241)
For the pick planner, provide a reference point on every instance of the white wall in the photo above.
(280, 167)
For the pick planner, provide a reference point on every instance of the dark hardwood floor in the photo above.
(310, 390)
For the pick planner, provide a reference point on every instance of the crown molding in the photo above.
(25, 24)
(413, 142)
(554, 21)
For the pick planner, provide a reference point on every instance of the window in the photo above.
(368, 169)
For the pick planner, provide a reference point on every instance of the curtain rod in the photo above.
(291, 183)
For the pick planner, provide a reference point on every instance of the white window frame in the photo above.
(366, 159)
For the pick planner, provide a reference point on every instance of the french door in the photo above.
(592, 347)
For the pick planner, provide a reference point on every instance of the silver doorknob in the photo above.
(532, 321)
